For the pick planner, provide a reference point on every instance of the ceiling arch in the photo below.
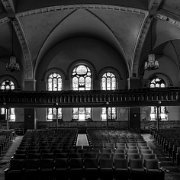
(80, 23)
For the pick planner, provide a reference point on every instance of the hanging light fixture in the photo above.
(12, 65)
(151, 63)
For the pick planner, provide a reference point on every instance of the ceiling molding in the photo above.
(139, 46)
(154, 5)
(28, 68)
(4, 20)
(86, 6)
(177, 55)
(169, 20)
(9, 7)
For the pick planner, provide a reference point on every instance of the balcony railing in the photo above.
(94, 98)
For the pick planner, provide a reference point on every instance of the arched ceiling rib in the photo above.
(27, 63)
(153, 7)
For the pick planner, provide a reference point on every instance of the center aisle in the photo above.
(82, 140)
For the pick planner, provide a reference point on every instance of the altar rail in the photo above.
(93, 98)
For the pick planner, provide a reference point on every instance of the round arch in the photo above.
(112, 70)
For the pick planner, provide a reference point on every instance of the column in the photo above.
(134, 112)
(29, 113)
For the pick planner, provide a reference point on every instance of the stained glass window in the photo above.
(158, 83)
(81, 81)
(54, 84)
(108, 82)
(8, 85)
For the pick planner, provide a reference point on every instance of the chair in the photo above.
(61, 155)
(148, 156)
(33, 156)
(121, 169)
(137, 171)
(109, 145)
(61, 168)
(153, 169)
(120, 145)
(119, 156)
(106, 169)
(133, 156)
(46, 169)
(129, 144)
(91, 168)
(119, 151)
(31, 169)
(90, 155)
(75, 155)
(106, 151)
(47, 156)
(135, 151)
(19, 156)
(15, 169)
(146, 151)
(76, 168)
(105, 156)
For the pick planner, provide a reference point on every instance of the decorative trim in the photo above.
(139, 46)
(28, 68)
(153, 8)
(81, 6)
(4, 20)
(168, 20)
(8, 6)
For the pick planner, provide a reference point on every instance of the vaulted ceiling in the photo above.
(126, 25)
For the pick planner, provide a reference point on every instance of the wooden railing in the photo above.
(147, 125)
(118, 98)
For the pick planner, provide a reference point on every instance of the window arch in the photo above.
(158, 83)
(8, 85)
(81, 81)
(108, 82)
(54, 83)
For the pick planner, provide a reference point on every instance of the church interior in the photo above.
(89, 89)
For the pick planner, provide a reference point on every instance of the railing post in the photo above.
(7, 118)
(107, 104)
(56, 115)
(158, 116)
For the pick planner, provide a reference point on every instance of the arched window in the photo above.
(81, 81)
(158, 83)
(8, 85)
(54, 84)
(108, 82)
